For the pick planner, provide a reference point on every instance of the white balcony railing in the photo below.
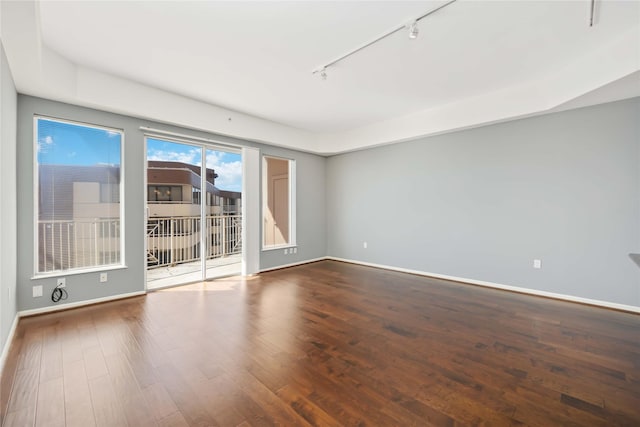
(176, 240)
(67, 245)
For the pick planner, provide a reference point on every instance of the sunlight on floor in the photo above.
(158, 278)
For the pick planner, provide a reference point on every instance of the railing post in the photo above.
(224, 235)
(95, 242)
(171, 241)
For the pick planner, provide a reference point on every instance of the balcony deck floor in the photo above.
(189, 272)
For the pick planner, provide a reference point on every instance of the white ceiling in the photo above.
(256, 58)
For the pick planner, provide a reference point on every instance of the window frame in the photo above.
(291, 171)
(173, 189)
(36, 202)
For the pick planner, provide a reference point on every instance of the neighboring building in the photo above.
(84, 227)
(174, 189)
(174, 195)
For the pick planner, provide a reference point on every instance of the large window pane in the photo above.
(79, 189)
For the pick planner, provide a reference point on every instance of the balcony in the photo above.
(173, 243)
(77, 244)
(176, 240)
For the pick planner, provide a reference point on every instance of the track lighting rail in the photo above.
(413, 34)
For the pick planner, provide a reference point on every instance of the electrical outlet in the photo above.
(61, 282)
(537, 263)
(37, 291)
(103, 277)
(364, 245)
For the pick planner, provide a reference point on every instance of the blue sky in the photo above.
(70, 144)
(228, 166)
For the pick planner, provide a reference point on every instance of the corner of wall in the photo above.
(8, 203)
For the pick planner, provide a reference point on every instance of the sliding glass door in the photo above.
(193, 202)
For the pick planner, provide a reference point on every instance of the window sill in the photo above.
(279, 247)
(61, 273)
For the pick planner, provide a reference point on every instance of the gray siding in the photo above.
(56, 187)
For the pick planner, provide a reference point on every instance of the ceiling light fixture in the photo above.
(413, 30)
(413, 34)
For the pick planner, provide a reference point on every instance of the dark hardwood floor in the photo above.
(326, 344)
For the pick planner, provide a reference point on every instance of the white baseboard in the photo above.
(571, 298)
(33, 312)
(293, 264)
(7, 343)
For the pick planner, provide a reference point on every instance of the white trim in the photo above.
(277, 248)
(36, 202)
(293, 264)
(189, 139)
(251, 213)
(204, 224)
(145, 192)
(33, 312)
(76, 271)
(7, 343)
(292, 203)
(571, 298)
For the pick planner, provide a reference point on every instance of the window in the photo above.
(78, 196)
(109, 193)
(278, 202)
(165, 193)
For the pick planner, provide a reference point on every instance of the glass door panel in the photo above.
(173, 232)
(223, 213)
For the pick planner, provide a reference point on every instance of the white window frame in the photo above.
(36, 205)
(292, 202)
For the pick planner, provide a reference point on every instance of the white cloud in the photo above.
(44, 143)
(191, 157)
(229, 173)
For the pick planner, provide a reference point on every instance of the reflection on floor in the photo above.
(163, 277)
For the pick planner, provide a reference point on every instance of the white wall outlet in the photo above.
(37, 291)
(61, 282)
(364, 245)
(103, 277)
(537, 263)
(286, 251)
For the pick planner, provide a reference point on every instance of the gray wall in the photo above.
(8, 212)
(484, 203)
(310, 206)
(478, 204)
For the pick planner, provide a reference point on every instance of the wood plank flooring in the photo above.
(326, 344)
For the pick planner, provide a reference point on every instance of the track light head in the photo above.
(413, 30)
